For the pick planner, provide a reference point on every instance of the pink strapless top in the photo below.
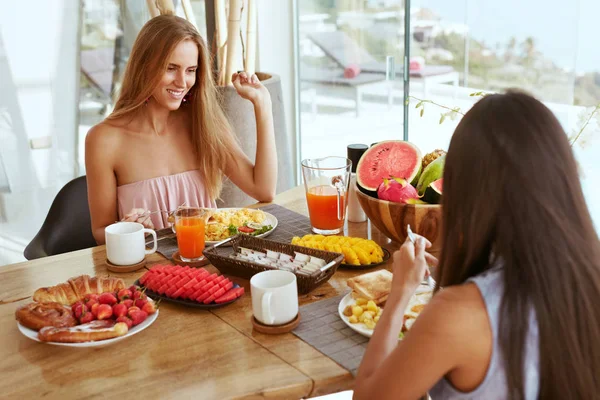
(164, 193)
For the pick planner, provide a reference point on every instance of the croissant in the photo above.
(77, 288)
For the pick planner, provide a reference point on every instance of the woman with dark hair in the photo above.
(518, 315)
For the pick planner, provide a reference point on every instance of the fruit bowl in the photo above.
(391, 219)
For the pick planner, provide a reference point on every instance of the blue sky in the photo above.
(566, 31)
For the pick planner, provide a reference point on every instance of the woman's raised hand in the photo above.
(411, 264)
(139, 215)
(249, 87)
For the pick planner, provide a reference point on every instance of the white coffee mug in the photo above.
(274, 297)
(126, 243)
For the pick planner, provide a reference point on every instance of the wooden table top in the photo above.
(186, 353)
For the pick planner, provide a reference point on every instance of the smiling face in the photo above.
(179, 77)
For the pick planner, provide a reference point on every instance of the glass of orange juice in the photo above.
(326, 183)
(189, 227)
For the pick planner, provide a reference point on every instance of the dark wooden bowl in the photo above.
(392, 218)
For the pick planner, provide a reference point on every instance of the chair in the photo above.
(68, 225)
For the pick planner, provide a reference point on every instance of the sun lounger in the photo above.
(345, 52)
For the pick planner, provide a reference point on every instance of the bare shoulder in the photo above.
(102, 144)
(104, 134)
(457, 311)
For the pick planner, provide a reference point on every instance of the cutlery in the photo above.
(429, 281)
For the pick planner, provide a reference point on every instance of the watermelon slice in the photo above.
(391, 158)
(433, 193)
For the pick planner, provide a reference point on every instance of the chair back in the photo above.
(68, 225)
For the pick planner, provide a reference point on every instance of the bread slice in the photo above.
(374, 286)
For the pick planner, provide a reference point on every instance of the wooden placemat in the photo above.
(289, 224)
(322, 328)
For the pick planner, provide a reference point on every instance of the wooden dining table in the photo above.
(185, 353)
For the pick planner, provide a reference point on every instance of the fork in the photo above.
(429, 280)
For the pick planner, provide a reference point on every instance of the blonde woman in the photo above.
(168, 142)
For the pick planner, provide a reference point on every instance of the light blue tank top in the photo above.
(491, 286)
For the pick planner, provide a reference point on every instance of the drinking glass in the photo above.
(189, 227)
(326, 182)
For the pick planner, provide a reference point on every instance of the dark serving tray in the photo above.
(189, 303)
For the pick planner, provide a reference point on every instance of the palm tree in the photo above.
(529, 50)
(509, 54)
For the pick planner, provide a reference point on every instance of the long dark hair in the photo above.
(512, 194)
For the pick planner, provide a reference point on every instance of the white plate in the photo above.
(269, 220)
(33, 335)
(347, 300)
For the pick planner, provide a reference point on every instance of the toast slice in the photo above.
(374, 286)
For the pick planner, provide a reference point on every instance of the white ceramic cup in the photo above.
(274, 297)
(126, 243)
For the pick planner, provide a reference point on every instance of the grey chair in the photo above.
(67, 226)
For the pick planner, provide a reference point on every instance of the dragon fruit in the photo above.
(397, 190)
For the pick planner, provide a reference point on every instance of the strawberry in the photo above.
(140, 303)
(149, 307)
(132, 309)
(138, 295)
(128, 303)
(74, 305)
(86, 317)
(90, 303)
(105, 311)
(119, 310)
(94, 309)
(138, 316)
(124, 294)
(107, 298)
(133, 288)
(91, 296)
(126, 319)
(79, 310)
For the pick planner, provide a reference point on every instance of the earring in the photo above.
(187, 98)
(146, 102)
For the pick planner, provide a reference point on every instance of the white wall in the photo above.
(38, 101)
(276, 54)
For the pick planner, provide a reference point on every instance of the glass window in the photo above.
(544, 47)
(344, 94)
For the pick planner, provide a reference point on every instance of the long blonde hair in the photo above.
(211, 131)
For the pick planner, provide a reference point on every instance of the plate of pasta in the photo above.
(227, 222)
